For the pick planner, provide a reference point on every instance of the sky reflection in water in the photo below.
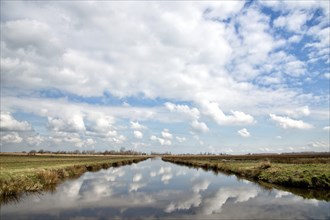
(156, 189)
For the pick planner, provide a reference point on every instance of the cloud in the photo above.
(64, 109)
(190, 75)
(35, 140)
(214, 203)
(9, 123)
(326, 128)
(162, 142)
(118, 140)
(286, 122)
(153, 138)
(295, 39)
(212, 109)
(163, 170)
(135, 186)
(153, 174)
(45, 43)
(293, 22)
(280, 194)
(12, 137)
(96, 121)
(166, 138)
(200, 186)
(137, 126)
(166, 178)
(244, 133)
(74, 124)
(192, 114)
(298, 112)
(222, 10)
(199, 126)
(180, 139)
(166, 134)
(138, 134)
(166, 173)
(136, 145)
(72, 139)
(189, 200)
(185, 203)
(137, 177)
(319, 144)
(229, 61)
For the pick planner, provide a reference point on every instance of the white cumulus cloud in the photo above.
(162, 141)
(192, 114)
(138, 134)
(184, 109)
(180, 139)
(302, 111)
(9, 123)
(11, 138)
(244, 133)
(35, 140)
(75, 123)
(212, 109)
(136, 125)
(199, 126)
(286, 122)
(166, 134)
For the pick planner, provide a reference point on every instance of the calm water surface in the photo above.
(156, 189)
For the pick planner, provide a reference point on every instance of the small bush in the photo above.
(265, 165)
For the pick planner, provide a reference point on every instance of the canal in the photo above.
(157, 189)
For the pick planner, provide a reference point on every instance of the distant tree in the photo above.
(32, 152)
(90, 151)
(76, 152)
(105, 152)
(41, 151)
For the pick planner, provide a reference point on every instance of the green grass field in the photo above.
(22, 173)
(304, 171)
(17, 165)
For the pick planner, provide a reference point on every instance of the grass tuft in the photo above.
(265, 165)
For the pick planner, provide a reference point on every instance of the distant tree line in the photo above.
(155, 153)
(122, 151)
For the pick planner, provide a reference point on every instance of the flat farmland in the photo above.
(294, 170)
(26, 173)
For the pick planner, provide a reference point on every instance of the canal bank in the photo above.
(313, 173)
(21, 173)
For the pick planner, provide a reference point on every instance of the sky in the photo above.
(230, 77)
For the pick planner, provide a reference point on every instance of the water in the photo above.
(156, 189)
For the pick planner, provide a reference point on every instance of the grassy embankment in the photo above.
(21, 173)
(299, 171)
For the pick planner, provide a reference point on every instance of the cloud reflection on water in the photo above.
(214, 203)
